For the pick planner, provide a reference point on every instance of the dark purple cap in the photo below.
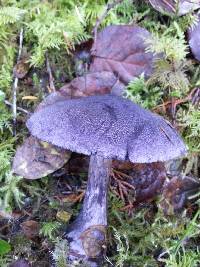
(111, 126)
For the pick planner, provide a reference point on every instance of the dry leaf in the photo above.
(148, 180)
(136, 183)
(96, 83)
(71, 198)
(176, 192)
(171, 7)
(35, 159)
(21, 68)
(120, 49)
(30, 229)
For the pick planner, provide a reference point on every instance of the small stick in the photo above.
(15, 85)
(121, 174)
(193, 96)
(128, 185)
(51, 79)
(121, 193)
(18, 108)
(124, 190)
(99, 20)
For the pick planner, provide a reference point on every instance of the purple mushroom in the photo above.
(105, 127)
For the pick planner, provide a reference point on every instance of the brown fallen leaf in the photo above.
(176, 193)
(148, 180)
(120, 49)
(21, 68)
(35, 159)
(138, 183)
(171, 7)
(30, 229)
(96, 83)
(71, 198)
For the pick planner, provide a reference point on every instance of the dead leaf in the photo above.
(136, 183)
(96, 83)
(63, 216)
(148, 180)
(35, 159)
(120, 49)
(21, 68)
(71, 198)
(171, 7)
(176, 193)
(30, 229)
(194, 40)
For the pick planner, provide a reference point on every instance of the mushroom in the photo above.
(105, 127)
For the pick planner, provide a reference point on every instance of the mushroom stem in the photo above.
(87, 235)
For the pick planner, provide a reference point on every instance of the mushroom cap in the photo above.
(112, 126)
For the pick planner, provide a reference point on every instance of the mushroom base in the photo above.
(87, 235)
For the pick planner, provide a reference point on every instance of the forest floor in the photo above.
(153, 209)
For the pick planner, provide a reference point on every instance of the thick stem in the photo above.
(87, 235)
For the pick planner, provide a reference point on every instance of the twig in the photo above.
(193, 96)
(18, 108)
(99, 20)
(15, 85)
(121, 174)
(128, 185)
(51, 79)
